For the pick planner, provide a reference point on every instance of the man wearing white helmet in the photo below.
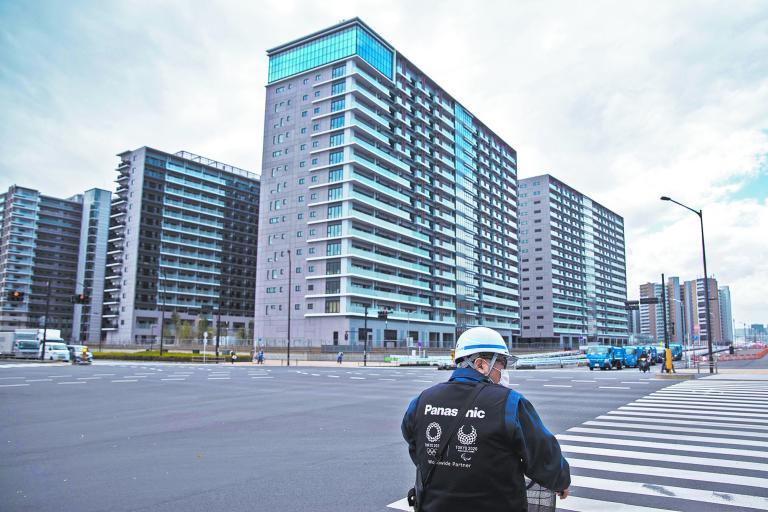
(473, 439)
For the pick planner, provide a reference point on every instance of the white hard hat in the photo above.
(480, 340)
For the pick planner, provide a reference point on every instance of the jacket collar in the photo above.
(468, 374)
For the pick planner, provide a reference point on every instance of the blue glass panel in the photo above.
(327, 49)
(312, 54)
(375, 53)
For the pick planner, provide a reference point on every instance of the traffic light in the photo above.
(383, 314)
(80, 298)
(15, 296)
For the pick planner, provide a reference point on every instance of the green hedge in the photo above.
(154, 355)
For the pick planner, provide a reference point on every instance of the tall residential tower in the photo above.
(182, 249)
(380, 192)
(573, 269)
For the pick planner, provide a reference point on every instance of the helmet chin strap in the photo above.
(493, 362)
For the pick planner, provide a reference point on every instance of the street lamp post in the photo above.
(290, 273)
(162, 313)
(700, 213)
(365, 345)
(45, 319)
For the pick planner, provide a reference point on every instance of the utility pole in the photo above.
(45, 319)
(365, 333)
(218, 328)
(664, 306)
(290, 272)
(162, 313)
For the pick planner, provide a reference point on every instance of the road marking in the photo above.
(10, 378)
(315, 374)
(12, 385)
(665, 457)
(614, 416)
(614, 387)
(358, 378)
(73, 382)
(666, 491)
(424, 381)
(633, 382)
(218, 378)
(663, 446)
(605, 378)
(174, 378)
(684, 414)
(387, 379)
(695, 439)
(103, 374)
(690, 409)
(725, 406)
(263, 377)
(557, 386)
(710, 398)
(401, 505)
(38, 380)
(677, 429)
(58, 376)
(575, 380)
(677, 473)
(88, 378)
(126, 380)
(577, 504)
(537, 380)
(333, 376)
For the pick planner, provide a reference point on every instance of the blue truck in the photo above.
(605, 357)
(631, 353)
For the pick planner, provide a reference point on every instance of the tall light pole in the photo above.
(162, 311)
(290, 273)
(700, 213)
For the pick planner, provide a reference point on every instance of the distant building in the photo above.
(652, 315)
(182, 249)
(726, 315)
(695, 309)
(572, 266)
(40, 246)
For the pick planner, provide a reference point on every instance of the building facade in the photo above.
(181, 254)
(38, 258)
(726, 314)
(91, 265)
(652, 315)
(696, 313)
(380, 192)
(573, 268)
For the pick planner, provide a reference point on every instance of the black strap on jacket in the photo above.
(444, 444)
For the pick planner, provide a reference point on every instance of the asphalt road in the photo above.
(165, 437)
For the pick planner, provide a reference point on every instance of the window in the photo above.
(333, 249)
(314, 161)
(332, 306)
(302, 163)
(313, 195)
(337, 122)
(317, 94)
(337, 105)
(305, 81)
(301, 199)
(303, 130)
(339, 71)
(334, 230)
(305, 97)
(334, 211)
(333, 267)
(298, 270)
(301, 181)
(299, 234)
(303, 113)
(337, 88)
(302, 147)
(311, 250)
(310, 268)
(336, 157)
(316, 110)
(334, 193)
(313, 179)
(318, 77)
(310, 306)
(333, 286)
(335, 175)
(337, 139)
(279, 89)
(315, 143)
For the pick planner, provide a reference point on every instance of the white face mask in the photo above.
(504, 380)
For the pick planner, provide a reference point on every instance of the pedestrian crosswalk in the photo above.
(698, 445)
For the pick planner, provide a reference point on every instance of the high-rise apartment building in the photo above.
(652, 315)
(91, 264)
(380, 191)
(696, 313)
(39, 249)
(572, 266)
(726, 314)
(182, 249)
(675, 311)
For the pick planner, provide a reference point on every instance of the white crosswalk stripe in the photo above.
(697, 445)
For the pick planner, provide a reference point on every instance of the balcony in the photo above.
(381, 187)
(386, 242)
(363, 161)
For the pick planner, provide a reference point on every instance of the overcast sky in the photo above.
(625, 101)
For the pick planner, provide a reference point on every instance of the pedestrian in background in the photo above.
(339, 357)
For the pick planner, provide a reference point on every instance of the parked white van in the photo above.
(54, 351)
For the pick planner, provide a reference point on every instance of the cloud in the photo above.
(623, 101)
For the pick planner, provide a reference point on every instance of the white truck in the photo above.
(25, 343)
